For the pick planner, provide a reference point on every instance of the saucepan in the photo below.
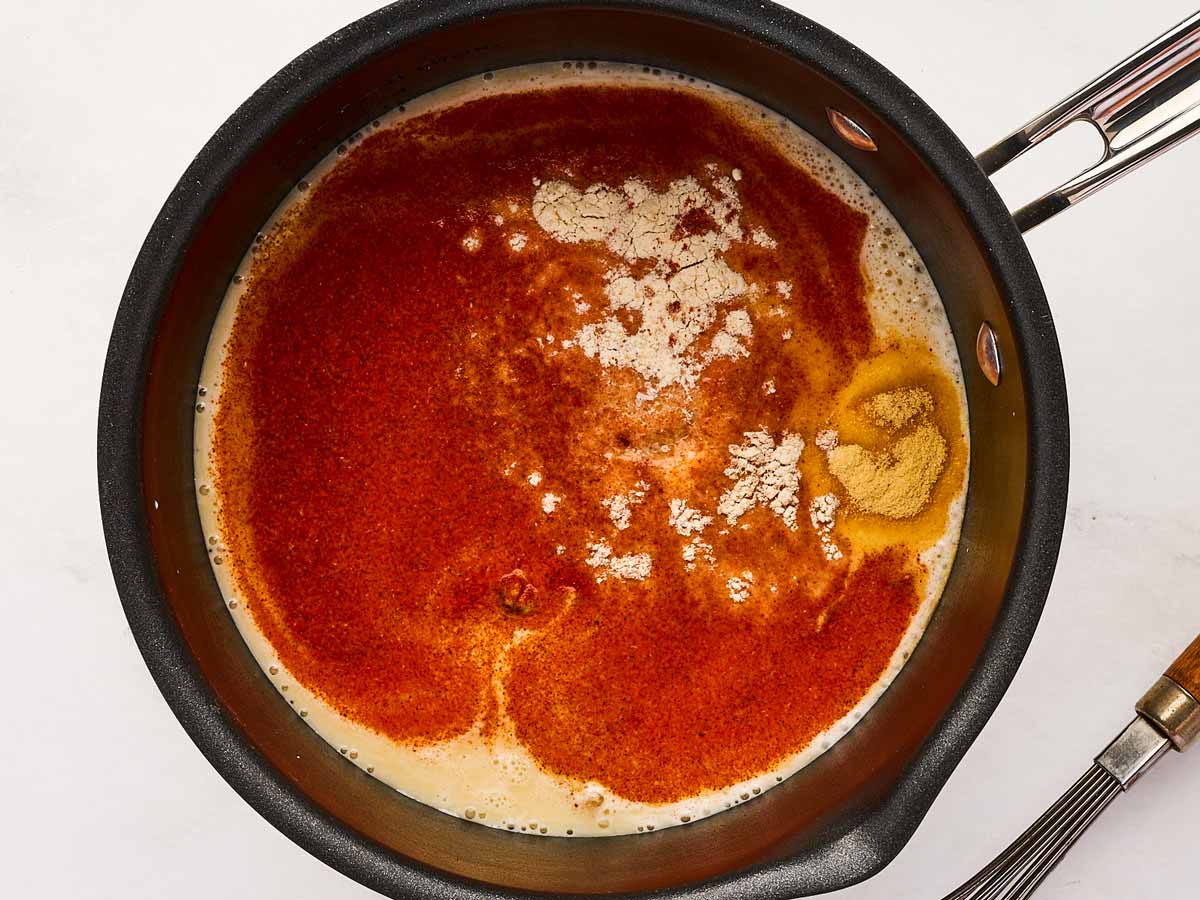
(846, 815)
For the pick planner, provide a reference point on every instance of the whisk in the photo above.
(1168, 716)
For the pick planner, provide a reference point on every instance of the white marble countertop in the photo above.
(101, 108)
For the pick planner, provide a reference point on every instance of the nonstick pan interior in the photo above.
(837, 821)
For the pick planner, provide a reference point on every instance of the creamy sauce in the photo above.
(492, 778)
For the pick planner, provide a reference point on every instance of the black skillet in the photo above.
(839, 820)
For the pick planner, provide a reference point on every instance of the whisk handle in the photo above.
(1172, 703)
(1185, 671)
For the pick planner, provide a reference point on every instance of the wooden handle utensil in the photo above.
(1168, 716)
(1172, 703)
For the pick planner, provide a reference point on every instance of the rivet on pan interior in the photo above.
(987, 351)
(850, 131)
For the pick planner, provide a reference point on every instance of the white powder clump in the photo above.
(550, 502)
(635, 222)
(769, 386)
(633, 566)
(601, 554)
(737, 323)
(821, 513)
(726, 341)
(763, 239)
(618, 511)
(827, 439)
(517, 242)
(680, 298)
(695, 549)
(470, 243)
(535, 478)
(687, 521)
(784, 288)
(764, 474)
(739, 588)
(499, 219)
(620, 507)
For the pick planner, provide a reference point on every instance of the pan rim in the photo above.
(868, 845)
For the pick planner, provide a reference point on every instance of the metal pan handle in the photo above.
(1141, 107)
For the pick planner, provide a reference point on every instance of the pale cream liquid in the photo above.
(499, 783)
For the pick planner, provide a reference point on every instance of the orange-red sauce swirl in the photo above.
(385, 397)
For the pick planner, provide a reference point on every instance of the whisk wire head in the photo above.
(1016, 873)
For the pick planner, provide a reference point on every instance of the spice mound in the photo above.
(895, 481)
